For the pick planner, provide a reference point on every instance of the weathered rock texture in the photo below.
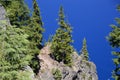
(81, 70)
(3, 19)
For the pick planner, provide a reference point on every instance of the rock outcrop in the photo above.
(53, 70)
(81, 70)
(3, 19)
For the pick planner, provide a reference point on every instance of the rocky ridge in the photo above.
(81, 70)
(51, 69)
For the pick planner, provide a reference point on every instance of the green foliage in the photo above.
(116, 60)
(36, 26)
(14, 53)
(61, 42)
(84, 51)
(114, 36)
(15, 75)
(118, 7)
(35, 64)
(5, 3)
(90, 78)
(114, 39)
(17, 11)
(19, 15)
(57, 74)
(35, 30)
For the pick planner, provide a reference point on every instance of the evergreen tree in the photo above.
(17, 12)
(19, 15)
(14, 54)
(35, 30)
(114, 39)
(36, 25)
(84, 51)
(5, 3)
(61, 42)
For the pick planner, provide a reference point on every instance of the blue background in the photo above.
(90, 19)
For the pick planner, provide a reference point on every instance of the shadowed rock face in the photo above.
(3, 19)
(81, 70)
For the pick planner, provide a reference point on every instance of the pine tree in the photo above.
(114, 39)
(35, 31)
(19, 15)
(14, 54)
(61, 42)
(84, 51)
(37, 25)
(5, 3)
(17, 12)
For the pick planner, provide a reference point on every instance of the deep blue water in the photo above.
(90, 19)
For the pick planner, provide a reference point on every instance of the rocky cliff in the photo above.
(52, 70)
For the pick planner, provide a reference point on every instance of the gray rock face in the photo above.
(81, 70)
(86, 70)
(3, 19)
(29, 69)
